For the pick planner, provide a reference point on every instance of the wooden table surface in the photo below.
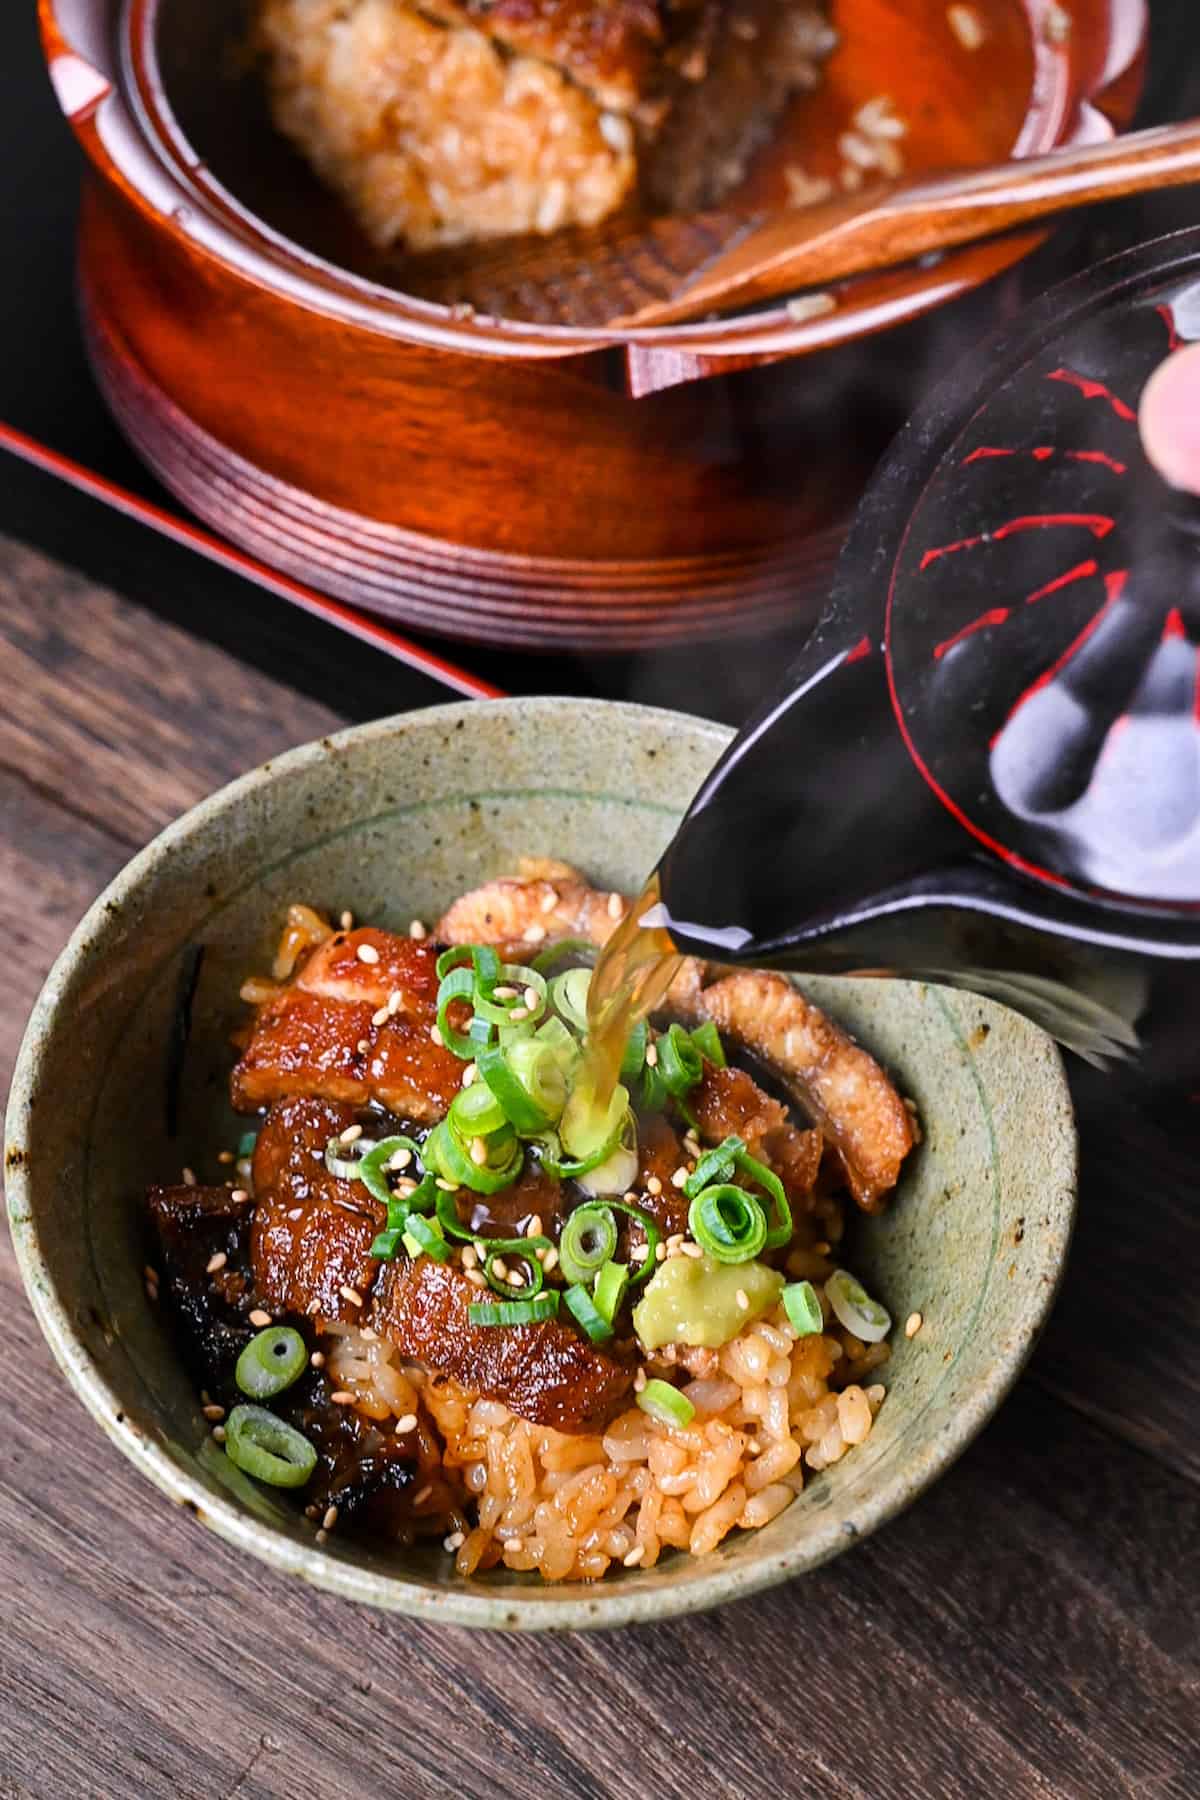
(1029, 1629)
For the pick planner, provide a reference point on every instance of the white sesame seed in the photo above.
(753, 1446)
(322, 1536)
(660, 1253)
(550, 1260)
(224, 1156)
(363, 1045)
(876, 1393)
(500, 1269)
(342, 1398)
(674, 1240)
(380, 1016)
(516, 1276)
(367, 953)
(652, 1056)
(395, 1001)
(534, 1226)
(351, 1294)
(532, 999)
(351, 1134)
(407, 1423)
(189, 1178)
(631, 1199)
(330, 1519)
(616, 906)
(470, 1256)
(475, 1278)
(214, 1412)
(743, 1299)
(690, 1250)
(436, 1035)
(150, 1275)
(422, 1494)
(913, 1324)
(400, 1159)
(469, 1074)
(549, 901)
(533, 934)
(417, 930)
(218, 1432)
(654, 1185)
(405, 1188)
(347, 921)
(238, 1195)
(679, 1177)
(479, 1152)
(454, 1542)
(639, 1381)
(504, 993)
(317, 1359)
(312, 1309)
(260, 1318)
(634, 1556)
(518, 1013)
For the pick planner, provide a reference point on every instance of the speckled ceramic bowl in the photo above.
(392, 820)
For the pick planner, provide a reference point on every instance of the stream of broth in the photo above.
(635, 969)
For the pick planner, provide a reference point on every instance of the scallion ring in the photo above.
(634, 1059)
(457, 984)
(730, 1157)
(344, 1161)
(553, 954)
(270, 1362)
(444, 1154)
(510, 1249)
(476, 1112)
(423, 1236)
(728, 1223)
(679, 1062)
(372, 1169)
(653, 1095)
(612, 1285)
(588, 1241)
(802, 1304)
(523, 982)
(652, 1234)
(569, 997)
(269, 1449)
(483, 960)
(666, 1404)
(514, 1312)
(587, 1314)
(707, 1040)
(854, 1308)
(590, 1131)
(525, 1081)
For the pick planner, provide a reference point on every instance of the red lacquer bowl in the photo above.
(505, 482)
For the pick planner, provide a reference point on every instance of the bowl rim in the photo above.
(130, 130)
(623, 1602)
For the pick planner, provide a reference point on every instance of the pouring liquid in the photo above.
(635, 969)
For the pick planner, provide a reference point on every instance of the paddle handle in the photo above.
(791, 251)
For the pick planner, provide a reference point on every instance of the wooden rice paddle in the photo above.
(645, 272)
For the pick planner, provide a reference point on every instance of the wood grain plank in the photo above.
(122, 719)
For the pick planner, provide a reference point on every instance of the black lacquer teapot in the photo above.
(985, 766)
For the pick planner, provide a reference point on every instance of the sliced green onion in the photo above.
(653, 1096)
(546, 959)
(372, 1169)
(617, 1172)
(444, 1154)
(525, 1081)
(728, 1223)
(731, 1156)
(385, 1245)
(446, 1210)
(484, 962)
(666, 1404)
(564, 1044)
(634, 1059)
(508, 1249)
(612, 1285)
(458, 984)
(707, 1040)
(569, 997)
(271, 1361)
(514, 1312)
(424, 1236)
(523, 981)
(588, 1130)
(401, 1209)
(854, 1308)
(652, 1233)
(588, 1240)
(679, 1062)
(476, 1112)
(802, 1304)
(268, 1448)
(246, 1144)
(344, 1161)
(587, 1314)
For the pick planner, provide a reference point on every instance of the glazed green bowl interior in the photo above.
(392, 820)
